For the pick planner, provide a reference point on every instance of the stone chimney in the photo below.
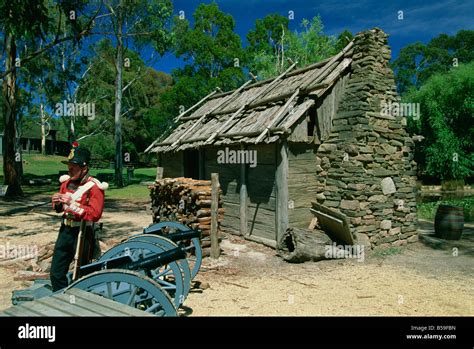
(366, 166)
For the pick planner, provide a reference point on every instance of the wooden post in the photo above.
(282, 191)
(243, 198)
(159, 173)
(215, 248)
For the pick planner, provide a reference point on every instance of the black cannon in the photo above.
(172, 234)
(150, 272)
(136, 280)
(148, 263)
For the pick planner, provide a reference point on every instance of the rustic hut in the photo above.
(319, 134)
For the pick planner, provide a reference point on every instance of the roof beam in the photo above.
(218, 105)
(265, 90)
(195, 105)
(277, 117)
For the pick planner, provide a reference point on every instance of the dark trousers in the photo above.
(64, 252)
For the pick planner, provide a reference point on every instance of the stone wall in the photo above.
(366, 166)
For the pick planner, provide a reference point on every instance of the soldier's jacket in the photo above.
(88, 199)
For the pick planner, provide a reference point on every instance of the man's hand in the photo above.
(56, 198)
(65, 198)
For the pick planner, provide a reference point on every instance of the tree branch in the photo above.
(137, 76)
(55, 42)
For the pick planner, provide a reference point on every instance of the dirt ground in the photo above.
(249, 279)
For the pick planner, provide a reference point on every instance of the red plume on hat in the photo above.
(75, 144)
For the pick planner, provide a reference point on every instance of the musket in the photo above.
(79, 250)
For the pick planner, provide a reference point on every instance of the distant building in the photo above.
(31, 143)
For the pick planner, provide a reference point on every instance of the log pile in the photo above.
(187, 201)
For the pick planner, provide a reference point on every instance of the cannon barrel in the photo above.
(175, 237)
(157, 260)
(115, 262)
(183, 235)
(125, 262)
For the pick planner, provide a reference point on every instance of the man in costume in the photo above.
(81, 199)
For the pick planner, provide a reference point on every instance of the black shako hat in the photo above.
(78, 155)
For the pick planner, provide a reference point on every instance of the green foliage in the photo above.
(268, 52)
(428, 210)
(141, 122)
(343, 40)
(211, 44)
(417, 62)
(24, 19)
(446, 122)
(310, 45)
(267, 33)
(214, 57)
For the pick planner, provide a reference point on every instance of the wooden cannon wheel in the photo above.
(130, 288)
(170, 276)
(193, 246)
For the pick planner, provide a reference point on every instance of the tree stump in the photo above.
(301, 245)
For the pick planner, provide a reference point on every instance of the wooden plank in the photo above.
(215, 249)
(43, 306)
(268, 242)
(159, 173)
(178, 118)
(112, 306)
(259, 230)
(21, 310)
(323, 72)
(55, 304)
(93, 303)
(261, 222)
(282, 191)
(268, 202)
(243, 198)
(276, 119)
(333, 223)
(223, 127)
(224, 101)
(263, 91)
(261, 214)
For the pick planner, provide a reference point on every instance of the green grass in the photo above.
(428, 210)
(41, 166)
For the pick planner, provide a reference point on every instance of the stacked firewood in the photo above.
(185, 200)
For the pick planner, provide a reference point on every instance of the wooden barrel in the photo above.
(449, 222)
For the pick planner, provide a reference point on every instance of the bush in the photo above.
(446, 122)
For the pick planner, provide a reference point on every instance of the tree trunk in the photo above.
(43, 131)
(300, 245)
(11, 176)
(118, 103)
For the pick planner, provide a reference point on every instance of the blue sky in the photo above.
(422, 20)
